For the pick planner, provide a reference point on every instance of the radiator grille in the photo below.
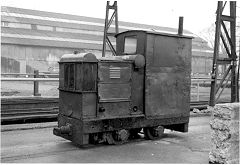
(114, 72)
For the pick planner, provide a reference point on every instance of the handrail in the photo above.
(196, 79)
(28, 79)
(28, 74)
(17, 74)
(37, 79)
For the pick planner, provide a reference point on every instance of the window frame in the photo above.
(124, 45)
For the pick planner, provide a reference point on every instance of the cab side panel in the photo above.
(168, 67)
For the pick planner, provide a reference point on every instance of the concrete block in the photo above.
(224, 133)
(219, 124)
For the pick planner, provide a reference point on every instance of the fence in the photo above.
(195, 84)
(36, 72)
(37, 77)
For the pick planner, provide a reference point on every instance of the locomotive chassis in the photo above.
(85, 128)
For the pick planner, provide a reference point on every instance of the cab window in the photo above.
(130, 45)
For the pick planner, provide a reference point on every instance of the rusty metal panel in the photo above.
(70, 104)
(109, 92)
(114, 72)
(89, 71)
(114, 88)
(137, 91)
(79, 76)
(116, 109)
(168, 68)
(89, 106)
(69, 76)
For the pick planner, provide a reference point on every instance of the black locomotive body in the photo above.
(109, 99)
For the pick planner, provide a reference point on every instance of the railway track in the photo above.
(28, 109)
(35, 109)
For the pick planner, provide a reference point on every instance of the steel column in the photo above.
(230, 46)
(238, 72)
(108, 23)
(216, 54)
(234, 82)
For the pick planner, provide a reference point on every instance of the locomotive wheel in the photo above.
(152, 133)
(118, 137)
(93, 138)
(134, 132)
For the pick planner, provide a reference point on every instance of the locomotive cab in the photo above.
(167, 72)
(110, 99)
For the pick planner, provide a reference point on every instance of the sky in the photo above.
(198, 14)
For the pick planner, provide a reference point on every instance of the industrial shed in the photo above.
(33, 39)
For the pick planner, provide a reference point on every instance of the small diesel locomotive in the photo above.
(111, 99)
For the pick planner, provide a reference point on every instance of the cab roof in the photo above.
(79, 57)
(156, 33)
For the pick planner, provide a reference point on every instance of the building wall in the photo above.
(24, 59)
(32, 39)
(201, 65)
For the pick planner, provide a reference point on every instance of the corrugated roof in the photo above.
(69, 17)
(52, 34)
(87, 31)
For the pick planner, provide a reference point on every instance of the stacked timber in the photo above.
(225, 133)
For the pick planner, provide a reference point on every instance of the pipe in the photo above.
(180, 26)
